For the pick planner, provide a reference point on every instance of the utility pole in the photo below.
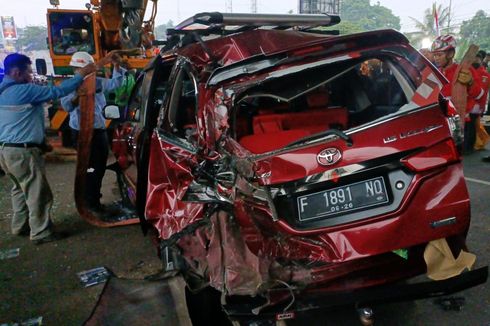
(449, 16)
(178, 10)
(253, 6)
(229, 6)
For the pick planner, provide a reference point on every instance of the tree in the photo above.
(346, 27)
(161, 30)
(427, 27)
(32, 38)
(477, 30)
(363, 16)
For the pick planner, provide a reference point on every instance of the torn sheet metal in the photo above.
(254, 241)
(169, 177)
(238, 261)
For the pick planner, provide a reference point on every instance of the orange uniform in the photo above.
(485, 84)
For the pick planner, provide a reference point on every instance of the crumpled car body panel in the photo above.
(166, 188)
(229, 191)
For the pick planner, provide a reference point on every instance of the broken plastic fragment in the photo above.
(9, 253)
(451, 303)
(94, 276)
(38, 321)
(402, 253)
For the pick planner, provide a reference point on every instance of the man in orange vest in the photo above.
(484, 79)
(444, 49)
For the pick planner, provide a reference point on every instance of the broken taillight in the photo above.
(453, 121)
(438, 155)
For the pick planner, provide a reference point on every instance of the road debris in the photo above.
(94, 276)
(451, 303)
(9, 253)
(38, 321)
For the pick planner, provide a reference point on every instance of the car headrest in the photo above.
(317, 99)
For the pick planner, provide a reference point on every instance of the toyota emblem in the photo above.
(329, 156)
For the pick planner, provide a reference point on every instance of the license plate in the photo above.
(342, 199)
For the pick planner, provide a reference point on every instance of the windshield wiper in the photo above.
(318, 137)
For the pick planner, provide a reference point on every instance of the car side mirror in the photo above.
(41, 67)
(112, 112)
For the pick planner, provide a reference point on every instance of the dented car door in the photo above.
(173, 158)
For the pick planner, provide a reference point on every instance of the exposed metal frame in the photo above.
(397, 292)
(211, 19)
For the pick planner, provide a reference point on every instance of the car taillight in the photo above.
(453, 121)
(435, 156)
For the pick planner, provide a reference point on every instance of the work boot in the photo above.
(96, 208)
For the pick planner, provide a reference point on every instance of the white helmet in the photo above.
(81, 59)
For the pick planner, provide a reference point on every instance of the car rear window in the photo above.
(343, 94)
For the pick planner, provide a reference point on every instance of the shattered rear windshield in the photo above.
(293, 103)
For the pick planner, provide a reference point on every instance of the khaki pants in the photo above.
(31, 195)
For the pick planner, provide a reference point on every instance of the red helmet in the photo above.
(443, 43)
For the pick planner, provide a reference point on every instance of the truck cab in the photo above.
(70, 31)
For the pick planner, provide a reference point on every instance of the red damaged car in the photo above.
(290, 168)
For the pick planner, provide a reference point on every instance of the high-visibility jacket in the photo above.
(485, 84)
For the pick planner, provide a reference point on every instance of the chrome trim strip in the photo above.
(444, 222)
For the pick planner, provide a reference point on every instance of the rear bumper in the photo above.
(369, 296)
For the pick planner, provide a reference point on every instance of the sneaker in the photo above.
(50, 238)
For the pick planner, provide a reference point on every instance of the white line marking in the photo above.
(477, 181)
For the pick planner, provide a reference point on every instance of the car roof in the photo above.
(234, 48)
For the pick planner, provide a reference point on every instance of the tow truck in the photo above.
(103, 26)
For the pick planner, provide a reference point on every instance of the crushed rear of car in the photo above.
(292, 170)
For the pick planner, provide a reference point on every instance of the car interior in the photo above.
(282, 111)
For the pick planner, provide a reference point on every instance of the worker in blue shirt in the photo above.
(21, 142)
(100, 145)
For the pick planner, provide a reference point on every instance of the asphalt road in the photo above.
(42, 281)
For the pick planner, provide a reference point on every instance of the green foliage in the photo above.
(477, 30)
(360, 15)
(32, 38)
(346, 27)
(161, 30)
(427, 27)
(461, 49)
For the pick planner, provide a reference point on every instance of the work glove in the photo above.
(88, 69)
(465, 77)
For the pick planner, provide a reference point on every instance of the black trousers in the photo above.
(99, 151)
(470, 133)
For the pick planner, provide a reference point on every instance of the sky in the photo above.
(33, 12)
